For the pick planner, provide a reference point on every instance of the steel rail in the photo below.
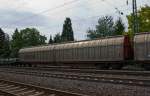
(11, 88)
(104, 79)
(114, 72)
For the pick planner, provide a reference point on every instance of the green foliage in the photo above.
(50, 40)
(2, 38)
(67, 33)
(32, 37)
(57, 38)
(129, 33)
(119, 27)
(25, 38)
(103, 29)
(16, 43)
(92, 34)
(106, 27)
(4, 44)
(143, 19)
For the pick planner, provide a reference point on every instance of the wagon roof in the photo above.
(69, 42)
(79, 44)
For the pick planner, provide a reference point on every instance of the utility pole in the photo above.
(135, 18)
(135, 25)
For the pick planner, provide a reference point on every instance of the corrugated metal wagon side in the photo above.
(100, 53)
(35, 56)
(142, 49)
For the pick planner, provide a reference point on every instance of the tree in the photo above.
(32, 37)
(16, 43)
(50, 40)
(4, 44)
(2, 38)
(143, 19)
(25, 38)
(92, 34)
(57, 38)
(67, 33)
(119, 27)
(104, 28)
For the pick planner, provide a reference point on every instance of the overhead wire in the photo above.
(115, 7)
(61, 6)
(51, 9)
(79, 19)
(48, 10)
(84, 19)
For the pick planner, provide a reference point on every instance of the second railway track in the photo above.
(93, 71)
(117, 79)
(9, 88)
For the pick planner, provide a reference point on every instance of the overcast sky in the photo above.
(48, 15)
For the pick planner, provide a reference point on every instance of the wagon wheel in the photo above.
(116, 66)
(103, 66)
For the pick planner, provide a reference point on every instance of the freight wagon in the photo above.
(103, 53)
(142, 49)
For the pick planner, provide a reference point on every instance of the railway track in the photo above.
(108, 73)
(9, 88)
(93, 71)
(114, 72)
(87, 77)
